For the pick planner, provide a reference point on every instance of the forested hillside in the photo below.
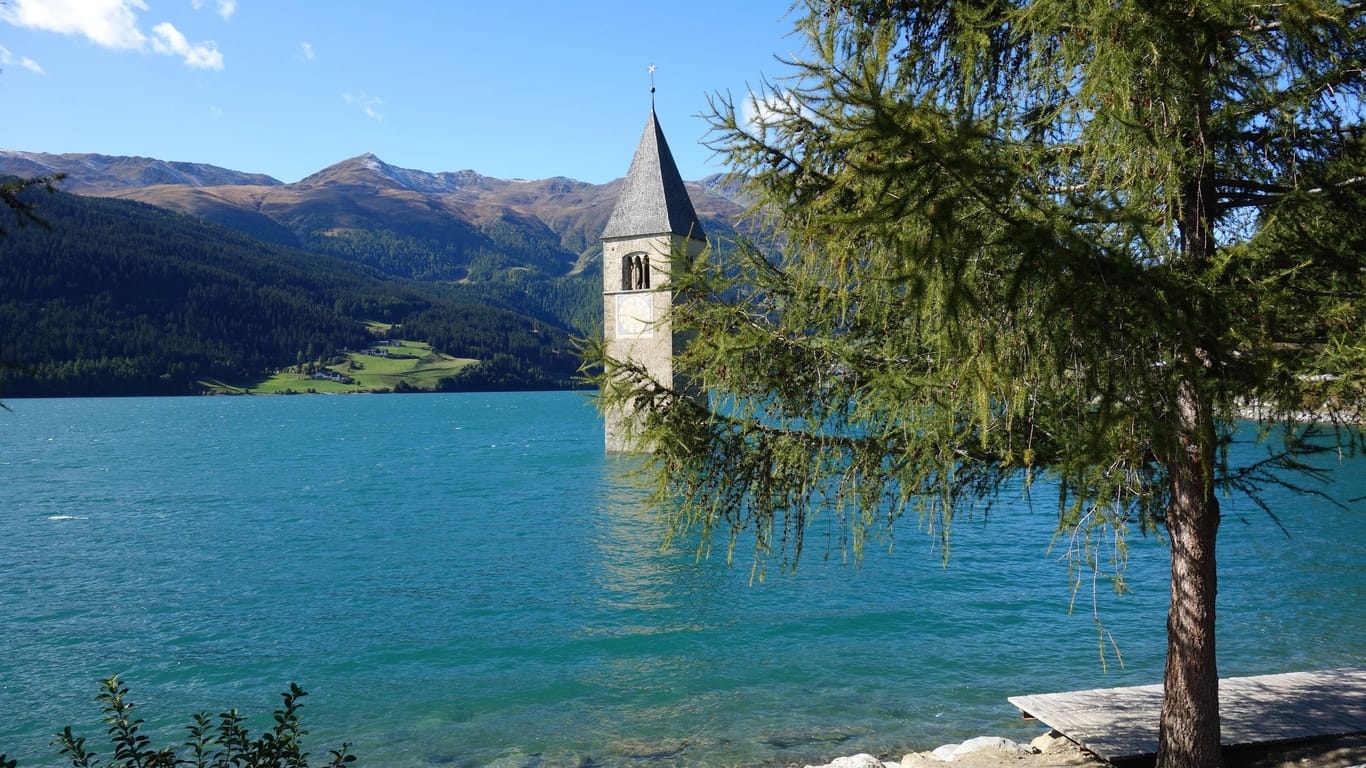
(530, 247)
(118, 297)
(250, 275)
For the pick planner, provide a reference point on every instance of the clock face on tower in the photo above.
(635, 315)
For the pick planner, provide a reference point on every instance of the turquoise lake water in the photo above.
(466, 580)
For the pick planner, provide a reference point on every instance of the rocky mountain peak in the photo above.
(369, 170)
(89, 173)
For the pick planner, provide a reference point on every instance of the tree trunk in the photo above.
(1189, 731)
(1188, 735)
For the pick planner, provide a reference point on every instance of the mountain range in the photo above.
(464, 253)
(550, 224)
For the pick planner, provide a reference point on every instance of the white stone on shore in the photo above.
(950, 752)
(990, 742)
(861, 760)
(945, 753)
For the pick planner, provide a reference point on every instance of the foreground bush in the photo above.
(227, 744)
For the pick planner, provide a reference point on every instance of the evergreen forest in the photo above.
(112, 297)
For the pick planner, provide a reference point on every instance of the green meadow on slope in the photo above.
(387, 366)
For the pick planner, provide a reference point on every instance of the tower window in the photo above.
(635, 272)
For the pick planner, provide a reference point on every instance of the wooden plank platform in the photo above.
(1121, 723)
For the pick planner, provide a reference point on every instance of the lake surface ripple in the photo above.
(467, 580)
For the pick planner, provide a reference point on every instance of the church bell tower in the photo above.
(653, 217)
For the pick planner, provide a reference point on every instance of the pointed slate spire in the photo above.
(653, 200)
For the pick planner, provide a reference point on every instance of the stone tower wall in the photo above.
(636, 320)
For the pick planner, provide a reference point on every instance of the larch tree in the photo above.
(1024, 242)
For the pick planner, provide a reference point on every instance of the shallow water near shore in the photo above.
(467, 580)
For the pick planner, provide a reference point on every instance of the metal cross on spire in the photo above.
(652, 87)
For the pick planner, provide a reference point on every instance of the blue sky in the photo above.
(508, 88)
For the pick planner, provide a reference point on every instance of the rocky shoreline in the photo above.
(1053, 750)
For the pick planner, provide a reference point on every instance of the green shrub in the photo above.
(228, 744)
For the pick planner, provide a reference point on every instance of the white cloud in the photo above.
(114, 24)
(307, 49)
(110, 23)
(366, 103)
(761, 110)
(7, 58)
(215, 113)
(168, 40)
(226, 8)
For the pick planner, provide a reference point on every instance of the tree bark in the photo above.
(1189, 733)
